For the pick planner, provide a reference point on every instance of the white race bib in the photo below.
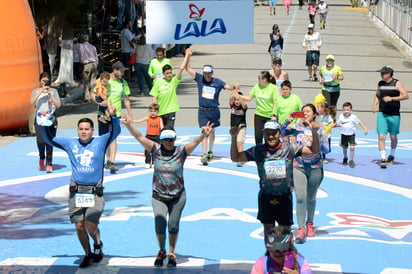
(327, 77)
(208, 92)
(275, 169)
(84, 200)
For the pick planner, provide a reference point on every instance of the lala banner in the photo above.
(199, 22)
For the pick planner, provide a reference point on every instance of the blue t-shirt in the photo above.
(209, 91)
(87, 160)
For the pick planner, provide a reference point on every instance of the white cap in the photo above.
(311, 26)
(167, 134)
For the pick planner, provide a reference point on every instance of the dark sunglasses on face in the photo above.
(168, 139)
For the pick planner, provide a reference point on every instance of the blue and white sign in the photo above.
(199, 22)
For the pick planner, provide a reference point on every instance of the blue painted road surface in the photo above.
(363, 218)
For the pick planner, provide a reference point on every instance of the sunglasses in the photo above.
(168, 139)
(279, 247)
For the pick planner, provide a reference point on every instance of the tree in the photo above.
(64, 16)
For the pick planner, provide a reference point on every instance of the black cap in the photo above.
(386, 69)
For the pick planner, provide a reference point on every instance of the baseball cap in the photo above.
(330, 57)
(207, 69)
(276, 241)
(271, 125)
(119, 66)
(311, 26)
(167, 134)
(386, 69)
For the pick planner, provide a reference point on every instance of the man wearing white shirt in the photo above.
(312, 42)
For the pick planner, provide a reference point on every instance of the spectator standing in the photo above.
(86, 201)
(307, 168)
(388, 95)
(127, 43)
(156, 65)
(238, 109)
(46, 101)
(323, 9)
(90, 61)
(169, 195)
(77, 65)
(274, 164)
(208, 88)
(330, 76)
(143, 58)
(347, 122)
(312, 43)
(276, 43)
(153, 128)
(117, 91)
(164, 93)
(281, 255)
(266, 94)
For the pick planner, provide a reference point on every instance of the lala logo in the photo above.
(199, 28)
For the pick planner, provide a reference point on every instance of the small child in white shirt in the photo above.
(348, 121)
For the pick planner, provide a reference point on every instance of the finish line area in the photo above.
(362, 220)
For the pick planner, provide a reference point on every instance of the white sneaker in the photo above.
(147, 166)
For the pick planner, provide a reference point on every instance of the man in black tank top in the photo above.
(388, 96)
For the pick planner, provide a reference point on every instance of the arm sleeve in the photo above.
(49, 138)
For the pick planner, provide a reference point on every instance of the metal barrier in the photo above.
(395, 16)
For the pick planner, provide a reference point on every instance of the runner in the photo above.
(86, 201)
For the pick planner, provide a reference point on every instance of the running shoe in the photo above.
(311, 229)
(300, 237)
(87, 261)
(345, 161)
(161, 255)
(383, 163)
(325, 161)
(107, 165)
(172, 260)
(49, 169)
(147, 166)
(203, 159)
(315, 78)
(98, 252)
(209, 156)
(390, 159)
(41, 164)
(351, 163)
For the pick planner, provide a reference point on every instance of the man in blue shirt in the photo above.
(209, 89)
(86, 201)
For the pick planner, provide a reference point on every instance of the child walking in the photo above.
(238, 110)
(153, 128)
(347, 122)
(326, 117)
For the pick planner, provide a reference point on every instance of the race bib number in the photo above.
(208, 92)
(84, 200)
(275, 169)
